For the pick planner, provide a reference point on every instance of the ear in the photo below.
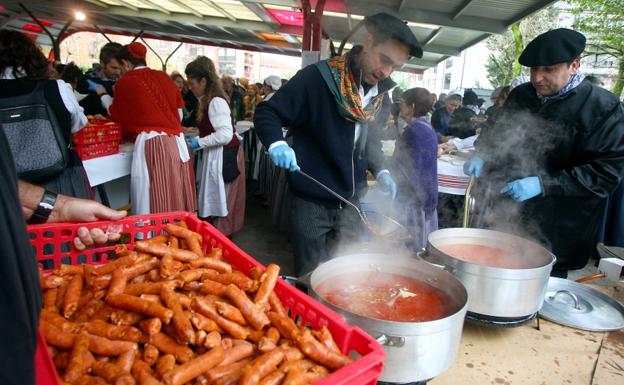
(368, 42)
(576, 64)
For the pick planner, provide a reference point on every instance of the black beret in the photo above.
(384, 23)
(559, 45)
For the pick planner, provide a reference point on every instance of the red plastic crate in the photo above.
(98, 131)
(90, 151)
(53, 244)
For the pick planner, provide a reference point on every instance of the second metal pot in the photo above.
(494, 291)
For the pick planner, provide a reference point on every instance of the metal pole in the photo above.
(54, 46)
(307, 25)
(317, 32)
(155, 53)
(138, 35)
(102, 32)
(170, 55)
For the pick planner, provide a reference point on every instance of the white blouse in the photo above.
(220, 118)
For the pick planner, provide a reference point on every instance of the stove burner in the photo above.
(504, 322)
(403, 383)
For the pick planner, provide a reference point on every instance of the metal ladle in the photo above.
(400, 233)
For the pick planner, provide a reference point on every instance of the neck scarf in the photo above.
(339, 78)
(572, 84)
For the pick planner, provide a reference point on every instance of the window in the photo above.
(447, 81)
(227, 61)
(449, 62)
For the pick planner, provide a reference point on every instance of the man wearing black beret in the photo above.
(329, 106)
(555, 153)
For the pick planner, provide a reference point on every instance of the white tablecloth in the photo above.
(451, 177)
(107, 168)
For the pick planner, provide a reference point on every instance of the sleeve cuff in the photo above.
(278, 143)
(384, 171)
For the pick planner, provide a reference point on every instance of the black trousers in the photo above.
(318, 232)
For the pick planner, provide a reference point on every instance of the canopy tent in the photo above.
(444, 27)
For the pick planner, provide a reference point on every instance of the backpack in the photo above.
(34, 135)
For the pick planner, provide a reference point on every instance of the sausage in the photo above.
(269, 340)
(125, 361)
(149, 287)
(267, 284)
(212, 339)
(167, 345)
(276, 305)
(113, 332)
(303, 365)
(64, 270)
(284, 324)
(230, 312)
(49, 300)
(158, 239)
(192, 275)
(150, 354)
(237, 352)
(318, 352)
(193, 239)
(122, 317)
(212, 263)
(153, 298)
(88, 311)
(201, 322)
(122, 261)
(274, 378)
(112, 373)
(292, 354)
(119, 279)
(212, 287)
(51, 281)
(150, 326)
(72, 295)
(105, 347)
(325, 336)
(224, 370)
(142, 268)
(237, 278)
(203, 306)
(256, 317)
(136, 304)
(181, 322)
(144, 374)
(61, 360)
(55, 336)
(262, 366)
(295, 376)
(193, 368)
(167, 268)
(162, 250)
(165, 363)
(59, 321)
(78, 359)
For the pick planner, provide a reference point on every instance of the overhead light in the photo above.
(342, 15)
(80, 16)
(422, 25)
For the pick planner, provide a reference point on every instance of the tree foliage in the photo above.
(502, 66)
(602, 22)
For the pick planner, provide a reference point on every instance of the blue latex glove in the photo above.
(474, 166)
(193, 143)
(387, 183)
(283, 156)
(523, 189)
(94, 85)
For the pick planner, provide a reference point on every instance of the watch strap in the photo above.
(44, 208)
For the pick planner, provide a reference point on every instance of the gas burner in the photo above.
(403, 383)
(503, 322)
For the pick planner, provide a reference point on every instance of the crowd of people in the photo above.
(547, 154)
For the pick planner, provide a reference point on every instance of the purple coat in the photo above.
(416, 167)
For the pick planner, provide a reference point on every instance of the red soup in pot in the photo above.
(484, 255)
(386, 296)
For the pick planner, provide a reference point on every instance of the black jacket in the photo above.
(460, 124)
(92, 103)
(440, 120)
(575, 144)
(323, 141)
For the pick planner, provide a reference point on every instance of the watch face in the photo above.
(46, 206)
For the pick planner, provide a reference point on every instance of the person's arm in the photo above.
(76, 112)
(603, 151)
(219, 115)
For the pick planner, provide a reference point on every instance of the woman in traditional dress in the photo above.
(221, 170)
(148, 106)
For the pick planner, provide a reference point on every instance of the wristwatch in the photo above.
(45, 207)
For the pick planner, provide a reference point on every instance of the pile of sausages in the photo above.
(167, 313)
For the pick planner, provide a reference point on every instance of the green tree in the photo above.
(602, 22)
(502, 66)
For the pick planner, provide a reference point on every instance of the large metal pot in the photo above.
(494, 291)
(415, 351)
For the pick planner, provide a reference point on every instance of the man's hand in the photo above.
(387, 183)
(474, 166)
(96, 236)
(523, 189)
(283, 156)
(69, 209)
